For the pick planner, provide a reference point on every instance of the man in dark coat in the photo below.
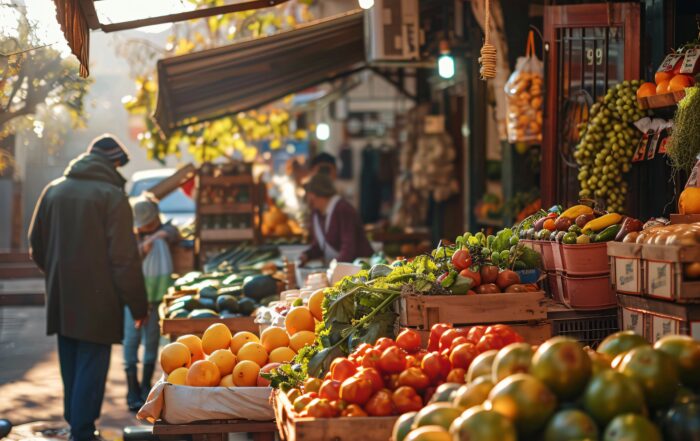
(82, 238)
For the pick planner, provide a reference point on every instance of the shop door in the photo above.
(590, 47)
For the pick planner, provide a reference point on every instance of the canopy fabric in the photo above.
(230, 79)
(75, 28)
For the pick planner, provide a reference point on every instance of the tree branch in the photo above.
(16, 87)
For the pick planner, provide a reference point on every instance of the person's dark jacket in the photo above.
(82, 238)
(345, 234)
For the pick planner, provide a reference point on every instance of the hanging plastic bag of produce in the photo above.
(524, 92)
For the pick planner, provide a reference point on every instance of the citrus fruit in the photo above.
(316, 304)
(563, 366)
(402, 426)
(301, 339)
(445, 393)
(274, 337)
(299, 319)
(482, 365)
(480, 424)
(525, 400)
(437, 414)
(281, 355)
(224, 360)
(512, 359)
(429, 433)
(203, 373)
(178, 376)
(570, 424)
(656, 373)
(646, 89)
(195, 344)
(264, 382)
(173, 356)
(246, 373)
(680, 82)
(686, 352)
(217, 336)
(254, 352)
(609, 394)
(620, 342)
(662, 76)
(241, 338)
(631, 427)
(662, 88)
(227, 381)
(473, 394)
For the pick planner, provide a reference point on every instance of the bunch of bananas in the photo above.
(607, 144)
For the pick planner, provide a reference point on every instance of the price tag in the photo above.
(663, 326)
(659, 279)
(633, 321)
(695, 330)
(642, 147)
(627, 275)
(669, 62)
(691, 61)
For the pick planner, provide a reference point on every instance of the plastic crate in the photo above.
(589, 328)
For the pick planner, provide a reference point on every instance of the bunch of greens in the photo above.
(685, 142)
(502, 249)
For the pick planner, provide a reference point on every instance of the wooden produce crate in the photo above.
(626, 269)
(424, 311)
(663, 272)
(684, 218)
(181, 326)
(294, 428)
(657, 318)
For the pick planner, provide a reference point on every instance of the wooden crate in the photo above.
(659, 317)
(663, 272)
(684, 218)
(626, 269)
(294, 428)
(424, 311)
(183, 259)
(181, 326)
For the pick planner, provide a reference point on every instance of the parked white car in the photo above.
(177, 207)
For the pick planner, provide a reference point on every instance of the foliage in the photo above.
(39, 90)
(685, 142)
(232, 136)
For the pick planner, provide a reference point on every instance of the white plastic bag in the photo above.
(157, 270)
(524, 96)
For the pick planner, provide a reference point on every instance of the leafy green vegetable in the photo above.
(502, 241)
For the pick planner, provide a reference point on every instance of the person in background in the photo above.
(324, 163)
(154, 241)
(336, 229)
(81, 237)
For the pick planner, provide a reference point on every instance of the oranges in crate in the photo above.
(298, 319)
(173, 356)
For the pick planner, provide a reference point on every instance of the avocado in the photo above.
(207, 303)
(203, 313)
(246, 305)
(208, 292)
(259, 287)
(226, 303)
(179, 313)
(189, 303)
(233, 290)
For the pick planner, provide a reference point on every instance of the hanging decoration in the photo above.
(488, 51)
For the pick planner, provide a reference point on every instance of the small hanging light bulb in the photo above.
(446, 64)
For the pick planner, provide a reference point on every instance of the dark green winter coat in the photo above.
(82, 238)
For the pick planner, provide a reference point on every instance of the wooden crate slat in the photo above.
(228, 234)
(425, 311)
(671, 253)
(227, 208)
(226, 180)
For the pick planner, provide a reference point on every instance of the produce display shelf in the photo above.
(181, 326)
(661, 101)
(588, 327)
(227, 208)
(225, 180)
(227, 234)
(654, 318)
(216, 430)
(294, 428)
(684, 218)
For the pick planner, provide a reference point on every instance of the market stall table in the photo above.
(216, 430)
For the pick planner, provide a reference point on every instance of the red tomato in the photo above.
(312, 384)
(409, 340)
(373, 376)
(412, 361)
(488, 342)
(362, 349)
(380, 404)
(405, 399)
(330, 390)
(371, 359)
(420, 354)
(339, 405)
(393, 360)
(449, 336)
(342, 369)
(463, 355)
(507, 334)
(474, 275)
(415, 378)
(461, 259)
(457, 375)
(475, 333)
(435, 333)
(552, 215)
(320, 408)
(353, 410)
(391, 381)
(301, 402)
(471, 292)
(436, 367)
(356, 390)
(458, 341)
(384, 343)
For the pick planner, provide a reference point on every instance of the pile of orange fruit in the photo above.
(221, 358)
(665, 82)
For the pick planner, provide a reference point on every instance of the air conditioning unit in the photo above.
(392, 31)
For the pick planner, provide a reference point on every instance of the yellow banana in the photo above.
(603, 222)
(576, 211)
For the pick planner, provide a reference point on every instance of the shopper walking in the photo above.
(82, 238)
(154, 240)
